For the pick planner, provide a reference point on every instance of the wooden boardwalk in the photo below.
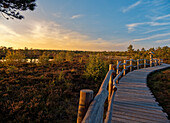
(134, 101)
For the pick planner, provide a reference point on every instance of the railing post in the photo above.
(110, 83)
(159, 61)
(155, 62)
(131, 60)
(117, 70)
(144, 63)
(151, 60)
(137, 63)
(86, 96)
(124, 67)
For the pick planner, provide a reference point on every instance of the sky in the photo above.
(90, 25)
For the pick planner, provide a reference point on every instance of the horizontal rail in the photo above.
(141, 64)
(128, 60)
(117, 67)
(98, 101)
(95, 110)
(123, 63)
(110, 108)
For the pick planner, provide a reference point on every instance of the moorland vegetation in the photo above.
(33, 87)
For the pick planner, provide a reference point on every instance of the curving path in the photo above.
(134, 101)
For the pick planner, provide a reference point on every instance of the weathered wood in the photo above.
(159, 61)
(94, 108)
(131, 65)
(110, 107)
(156, 62)
(117, 68)
(137, 63)
(133, 91)
(145, 63)
(151, 60)
(86, 96)
(110, 83)
(98, 100)
(124, 67)
(134, 102)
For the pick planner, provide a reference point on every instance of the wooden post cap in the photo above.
(86, 96)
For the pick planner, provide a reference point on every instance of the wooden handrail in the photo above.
(98, 101)
(95, 110)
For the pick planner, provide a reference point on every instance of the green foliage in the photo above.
(69, 56)
(61, 76)
(43, 59)
(14, 58)
(130, 49)
(80, 60)
(95, 69)
(58, 58)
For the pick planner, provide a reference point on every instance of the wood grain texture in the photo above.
(134, 101)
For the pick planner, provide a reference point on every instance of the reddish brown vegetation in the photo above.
(160, 86)
(42, 93)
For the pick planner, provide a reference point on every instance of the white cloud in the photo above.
(150, 31)
(76, 16)
(131, 27)
(161, 17)
(163, 41)
(50, 35)
(131, 6)
(5, 30)
(151, 37)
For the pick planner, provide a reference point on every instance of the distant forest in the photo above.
(160, 52)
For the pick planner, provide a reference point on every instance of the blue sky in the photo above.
(90, 25)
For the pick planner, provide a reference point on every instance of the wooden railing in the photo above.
(91, 110)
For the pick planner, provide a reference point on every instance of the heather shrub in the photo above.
(69, 56)
(14, 58)
(58, 58)
(43, 59)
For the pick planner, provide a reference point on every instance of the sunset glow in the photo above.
(98, 25)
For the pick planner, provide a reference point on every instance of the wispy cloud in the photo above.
(131, 6)
(131, 27)
(76, 16)
(150, 31)
(161, 17)
(163, 41)
(151, 37)
(58, 15)
(50, 35)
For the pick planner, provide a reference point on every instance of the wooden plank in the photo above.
(143, 110)
(139, 104)
(128, 119)
(140, 113)
(139, 107)
(139, 117)
(134, 101)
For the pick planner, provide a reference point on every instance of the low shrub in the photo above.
(14, 58)
(43, 59)
(96, 68)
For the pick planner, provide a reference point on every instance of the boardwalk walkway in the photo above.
(134, 101)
